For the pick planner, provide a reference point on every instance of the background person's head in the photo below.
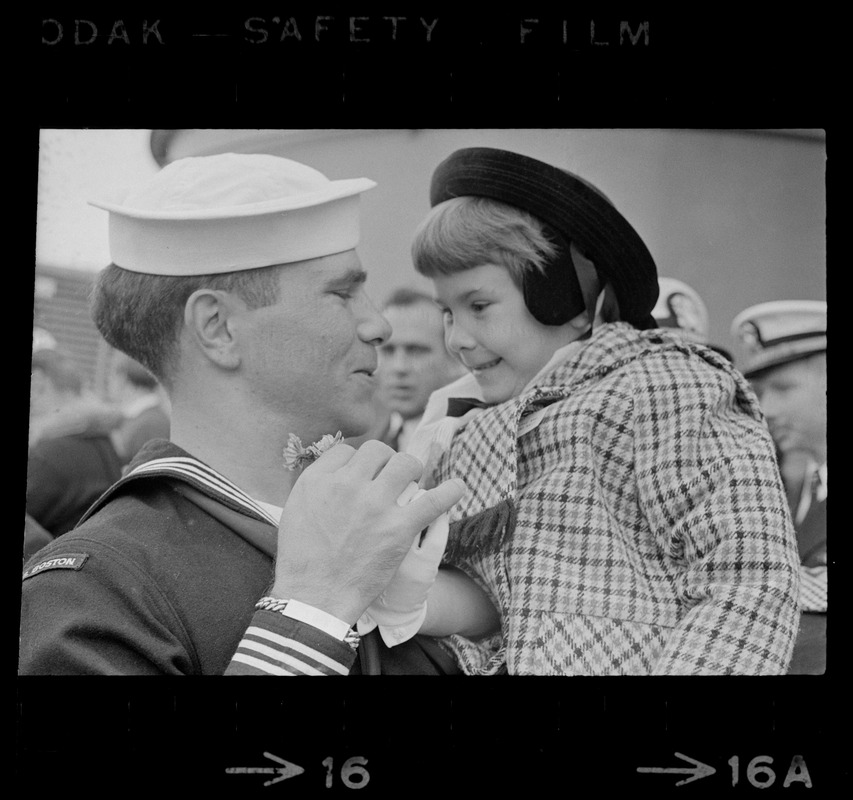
(128, 379)
(235, 279)
(784, 346)
(413, 361)
(680, 307)
(525, 258)
(60, 402)
(793, 398)
(54, 383)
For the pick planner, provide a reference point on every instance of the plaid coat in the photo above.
(640, 528)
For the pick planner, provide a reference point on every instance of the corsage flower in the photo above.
(297, 456)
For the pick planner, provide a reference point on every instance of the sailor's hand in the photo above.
(343, 533)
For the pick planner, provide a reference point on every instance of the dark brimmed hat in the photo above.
(569, 205)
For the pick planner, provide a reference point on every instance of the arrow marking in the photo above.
(287, 770)
(698, 770)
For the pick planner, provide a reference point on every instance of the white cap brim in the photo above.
(200, 241)
(784, 354)
(788, 330)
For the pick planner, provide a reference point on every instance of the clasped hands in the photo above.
(401, 608)
(350, 538)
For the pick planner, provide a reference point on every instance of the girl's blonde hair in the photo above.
(467, 232)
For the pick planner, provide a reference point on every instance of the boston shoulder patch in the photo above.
(68, 561)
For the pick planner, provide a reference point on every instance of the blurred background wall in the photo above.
(739, 215)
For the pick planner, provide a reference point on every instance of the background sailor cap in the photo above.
(775, 333)
(231, 212)
(680, 306)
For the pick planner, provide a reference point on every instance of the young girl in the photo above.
(625, 513)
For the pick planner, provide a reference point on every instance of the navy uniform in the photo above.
(151, 584)
(161, 578)
(772, 335)
(66, 474)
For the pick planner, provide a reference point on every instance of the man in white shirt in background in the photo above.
(413, 362)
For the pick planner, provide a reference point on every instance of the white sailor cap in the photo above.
(770, 334)
(230, 212)
(680, 306)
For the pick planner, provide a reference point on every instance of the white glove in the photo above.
(400, 610)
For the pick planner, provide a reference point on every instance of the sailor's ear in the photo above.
(209, 318)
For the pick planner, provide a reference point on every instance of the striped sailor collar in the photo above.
(163, 459)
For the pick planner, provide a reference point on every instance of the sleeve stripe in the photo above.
(278, 656)
(293, 645)
(261, 665)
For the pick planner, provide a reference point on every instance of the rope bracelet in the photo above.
(276, 605)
